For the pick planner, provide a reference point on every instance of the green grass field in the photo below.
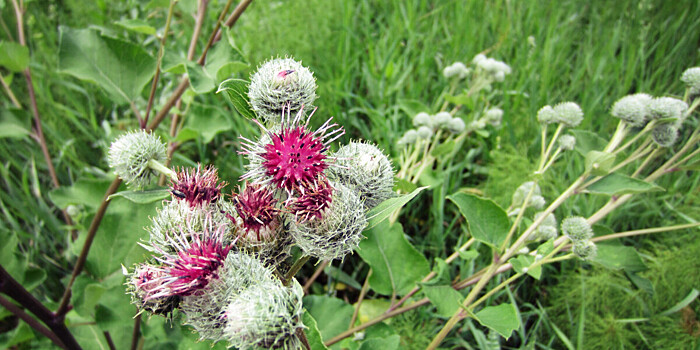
(377, 63)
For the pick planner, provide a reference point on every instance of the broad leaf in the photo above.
(587, 141)
(388, 343)
(445, 298)
(599, 163)
(208, 121)
(312, 333)
(14, 123)
(617, 184)
(382, 211)
(222, 61)
(143, 197)
(86, 192)
(396, 265)
(616, 256)
(487, 222)
(13, 56)
(136, 25)
(121, 68)
(502, 319)
(332, 315)
(522, 264)
(237, 92)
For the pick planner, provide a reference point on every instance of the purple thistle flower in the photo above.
(195, 262)
(197, 186)
(257, 213)
(293, 157)
(313, 202)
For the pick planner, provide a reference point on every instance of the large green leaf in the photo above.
(136, 25)
(14, 123)
(382, 211)
(332, 315)
(445, 298)
(86, 192)
(389, 343)
(614, 255)
(617, 184)
(13, 56)
(502, 319)
(237, 92)
(587, 141)
(312, 333)
(121, 68)
(488, 223)
(396, 265)
(522, 264)
(207, 121)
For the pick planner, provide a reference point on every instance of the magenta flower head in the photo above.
(197, 186)
(313, 203)
(197, 258)
(145, 282)
(258, 215)
(292, 157)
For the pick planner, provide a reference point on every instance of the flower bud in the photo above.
(364, 168)
(665, 135)
(478, 58)
(425, 132)
(457, 69)
(567, 142)
(667, 107)
(546, 115)
(129, 157)
(521, 193)
(493, 116)
(338, 232)
(456, 125)
(281, 83)
(633, 109)
(421, 119)
(547, 229)
(408, 137)
(577, 228)
(569, 114)
(691, 78)
(442, 119)
(586, 250)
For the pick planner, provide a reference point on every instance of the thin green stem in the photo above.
(363, 292)
(159, 167)
(11, 95)
(294, 269)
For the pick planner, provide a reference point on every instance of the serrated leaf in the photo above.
(617, 184)
(502, 319)
(396, 265)
(13, 56)
(136, 25)
(487, 222)
(121, 68)
(143, 197)
(445, 298)
(523, 262)
(14, 123)
(237, 92)
(384, 209)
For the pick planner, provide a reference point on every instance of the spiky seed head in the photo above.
(546, 115)
(493, 116)
(142, 283)
(258, 215)
(422, 119)
(457, 70)
(178, 215)
(442, 119)
(206, 311)
(691, 78)
(521, 193)
(130, 153)
(577, 228)
(667, 107)
(633, 109)
(665, 135)
(292, 157)
(586, 250)
(265, 316)
(456, 125)
(340, 230)
(366, 169)
(408, 137)
(569, 114)
(278, 84)
(424, 132)
(312, 203)
(197, 186)
(567, 142)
